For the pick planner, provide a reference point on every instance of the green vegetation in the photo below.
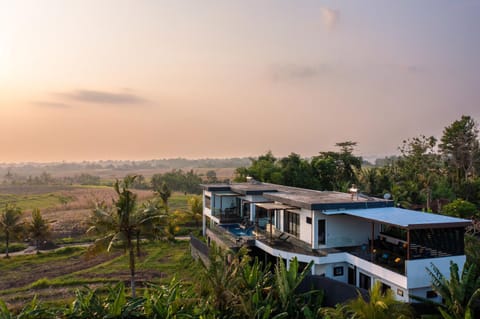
(10, 226)
(178, 180)
(426, 175)
(460, 293)
(31, 200)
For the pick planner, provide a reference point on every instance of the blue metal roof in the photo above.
(403, 217)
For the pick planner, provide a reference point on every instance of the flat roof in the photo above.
(270, 206)
(325, 200)
(404, 218)
(301, 197)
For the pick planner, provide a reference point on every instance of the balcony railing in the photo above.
(227, 215)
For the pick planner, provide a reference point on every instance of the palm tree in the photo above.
(164, 192)
(123, 222)
(459, 292)
(10, 224)
(38, 228)
(379, 305)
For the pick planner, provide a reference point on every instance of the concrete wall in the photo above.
(417, 269)
(345, 231)
(305, 229)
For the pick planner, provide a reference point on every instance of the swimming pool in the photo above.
(237, 230)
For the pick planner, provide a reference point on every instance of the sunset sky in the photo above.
(91, 80)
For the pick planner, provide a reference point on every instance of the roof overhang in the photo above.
(273, 206)
(403, 218)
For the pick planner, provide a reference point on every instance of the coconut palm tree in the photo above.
(379, 305)
(38, 228)
(121, 223)
(165, 193)
(458, 293)
(10, 224)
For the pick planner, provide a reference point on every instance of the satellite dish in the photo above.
(387, 196)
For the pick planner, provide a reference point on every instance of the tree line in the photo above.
(12, 227)
(429, 174)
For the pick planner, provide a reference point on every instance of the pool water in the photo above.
(237, 230)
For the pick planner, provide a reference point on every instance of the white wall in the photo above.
(305, 229)
(418, 276)
(344, 230)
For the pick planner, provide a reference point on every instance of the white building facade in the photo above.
(351, 238)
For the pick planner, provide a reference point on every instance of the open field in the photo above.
(54, 276)
(68, 207)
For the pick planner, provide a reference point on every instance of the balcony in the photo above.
(227, 215)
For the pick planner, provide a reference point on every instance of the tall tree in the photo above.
(418, 169)
(336, 170)
(38, 228)
(460, 148)
(165, 193)
(10, 224)
(264, 168)
(119, 223)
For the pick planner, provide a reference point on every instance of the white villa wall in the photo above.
(206, 210)
(325, 265)
(417, 273)
(345, 231)
(305, 229)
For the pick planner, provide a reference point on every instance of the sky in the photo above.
(114, 79)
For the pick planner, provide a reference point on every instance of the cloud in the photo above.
(330, 17)
(103, 97)
(49, 104)
(296, 72)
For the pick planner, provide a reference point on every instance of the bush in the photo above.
(460, 208)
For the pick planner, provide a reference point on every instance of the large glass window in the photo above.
(292, 223)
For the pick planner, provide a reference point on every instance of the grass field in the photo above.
(54, 276)
(68, 207)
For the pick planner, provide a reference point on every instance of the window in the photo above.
(431, 294)
(365, 281)
(291, 225)
(309, 220)
(384, 288)
(207, 201)
(338, 271)
(400, 292)
(321, 231)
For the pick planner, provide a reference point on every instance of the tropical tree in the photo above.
(460, 148)
(195, 209)
(38, 228)
(459, 292)
(286, 284)
(120, 223)
(10, 224)
(379, 305)
(164, 193)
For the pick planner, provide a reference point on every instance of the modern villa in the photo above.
(350, 237)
